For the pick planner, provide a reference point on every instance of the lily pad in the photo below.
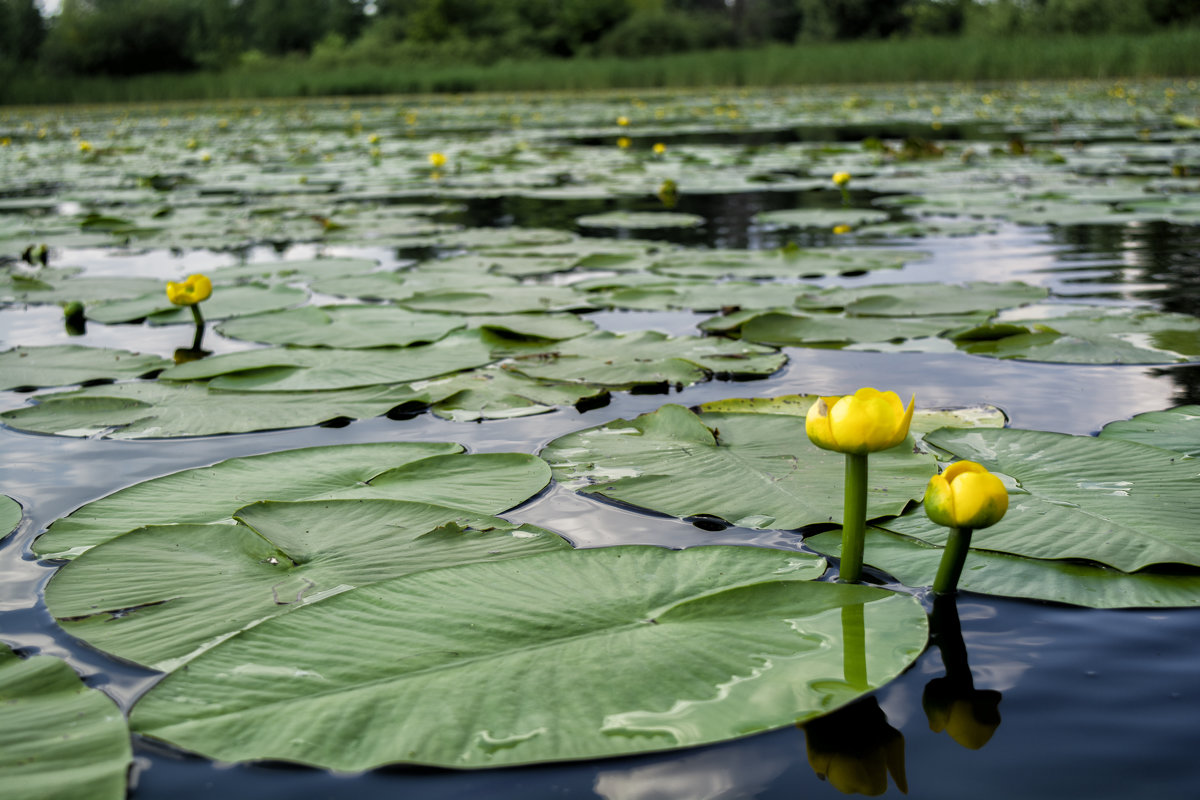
(66, 364)
(1099, 335)
(10, 516)
(820, 217)
(163, 594)
(647, 358)
(782, 328)
(158, 409)
(434, 472)
(226, 302)
(1124, 504)
(783, 263)
(915, 563)
(927, 299)
(279, 369)
(640, 220)
(291, 271)
(53, 289)
(1175, 429)
(58, 738)
(753, 470)
(472, 682)
(402, 285)
(499, 300)
(924, 420)
(342, 326)
(497, 393)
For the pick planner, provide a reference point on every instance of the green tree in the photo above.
(22, 30)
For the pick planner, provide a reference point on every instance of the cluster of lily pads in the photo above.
(373, 608)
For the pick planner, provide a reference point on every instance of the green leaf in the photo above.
(915, 563)
(438, 473)
(304, 270)
(923, 299)
(1175, 429)
(476, 679)
(753, 470)
(820, 217)
(10, 515)
(647, 358)
(226, 302)
(1093, 335)
(499, 300)
(783, 263)
(1124, 504)
(157, 409)
(161, 595)
(66, 364)
(53, 288)
(403, 285)
(279, 369)
(783, 328)
(640, 220)
(497, 393)
(342, 326)
(58, 738)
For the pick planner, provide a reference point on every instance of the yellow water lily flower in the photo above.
(840, 179)
(659, 148)
(864, 422)
(966, 495)
(85, 146)
(191, 291)
(437, 160)
(624, 142)
(623, 121)
(840, 229)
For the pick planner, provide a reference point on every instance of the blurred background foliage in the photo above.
(122, 38)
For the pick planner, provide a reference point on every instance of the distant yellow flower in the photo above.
(373, 138)
(623, 121)
(840, 229)
(195, 289)
(438, 160)
(5, 141)
(206, 157)
(192, 144)
(659, 148)
(840, 179)
(85, 146)
(864, 422)
(624, 142)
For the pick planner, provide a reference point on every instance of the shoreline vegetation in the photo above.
(1162, 54)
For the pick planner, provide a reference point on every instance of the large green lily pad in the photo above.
(402, 285)
(925, 299)
(1175, 429)
(293, 271)
(163, 594)
(66, 364)
(640, 220)
(753, 470)
(476, 678)
(783, 263)
(226, 302)
(1124, 504)
(342, 327)
(433, 472)
(783, 328)
(647, 358)
(1098, 335)
(915, 563)
(498, 393)
(58, 738)
(280, 369)
(499, 300)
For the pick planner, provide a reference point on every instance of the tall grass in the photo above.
(1163, 54)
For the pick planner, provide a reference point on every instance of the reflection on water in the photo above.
(855, 749)
(952, 703)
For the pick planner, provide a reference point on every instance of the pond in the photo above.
(1088, 191)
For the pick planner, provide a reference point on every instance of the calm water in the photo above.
(1093, 703)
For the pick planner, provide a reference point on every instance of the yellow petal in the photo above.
(816, 423)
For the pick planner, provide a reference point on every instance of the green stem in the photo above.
(199, 318)
(854, 517)
(953, 558)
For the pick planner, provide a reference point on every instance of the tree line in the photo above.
(129, 37)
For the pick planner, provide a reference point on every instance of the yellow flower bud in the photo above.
(193, 290)
(840, 179)
(841, 229)
(864, 422)
(623, 142)
(437, 160)
(659, 148)
(623, 121)
(966, 495)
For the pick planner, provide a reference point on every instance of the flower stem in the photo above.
(854, 517)
(199, 318)
(953, 558)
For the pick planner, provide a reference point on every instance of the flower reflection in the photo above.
(952, 703)
(855, 749)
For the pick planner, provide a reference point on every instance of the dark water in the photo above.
(1090, 703)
